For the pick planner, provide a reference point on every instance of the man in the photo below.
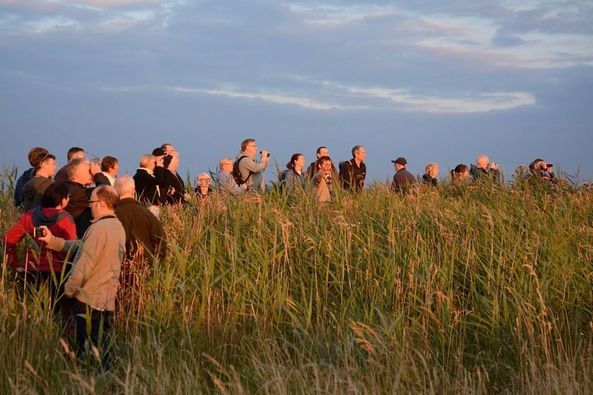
(109, 170)
(225, 181)
(94, 279)
(45, 167)
(145, 237)
(484, 170)
(251, 170)
(322, 181)
(148, 187)
(312, 169)
(80, 181)
(73, 153)
(540, 170)
(402, 179)
(353, 172)
(34, 154)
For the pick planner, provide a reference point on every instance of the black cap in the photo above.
(400, 161)
(158, 152)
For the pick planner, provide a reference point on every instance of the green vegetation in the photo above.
(479, 289)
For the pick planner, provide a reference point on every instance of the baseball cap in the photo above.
(400, 161)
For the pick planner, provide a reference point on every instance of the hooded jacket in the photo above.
(36, 256)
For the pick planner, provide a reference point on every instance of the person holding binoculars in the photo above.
(250, 169)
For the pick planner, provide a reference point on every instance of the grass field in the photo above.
(480, 289)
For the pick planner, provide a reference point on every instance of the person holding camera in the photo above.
(250, 169)
(94, 279)
(322, 181)
(485, 170)
(539, 169)
(37, 264)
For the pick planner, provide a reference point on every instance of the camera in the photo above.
(267, 154)
(38, 231)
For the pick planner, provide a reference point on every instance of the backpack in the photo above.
(237, 173)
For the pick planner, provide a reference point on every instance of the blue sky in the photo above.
(434, 81)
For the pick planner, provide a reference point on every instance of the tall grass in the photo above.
(478, 289)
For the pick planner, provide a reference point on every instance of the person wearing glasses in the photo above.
(252, 170)
(94, 279)
(40, 265)
(45, 166)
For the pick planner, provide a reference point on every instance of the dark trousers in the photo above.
(92, 330)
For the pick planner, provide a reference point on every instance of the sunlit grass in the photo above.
(476, 289)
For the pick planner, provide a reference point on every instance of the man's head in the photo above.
(359, 153)
(147, 161)
(110, 165)
(168, 148)
(226, 164)
(482, 161)
(125, 187)
(324, 164)
(399, 163)
(322, 151)
(75, 152)
(249, 146)
(103, 200)
(79, 170)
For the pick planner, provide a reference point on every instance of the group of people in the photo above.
(87, 229)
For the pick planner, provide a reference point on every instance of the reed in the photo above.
(478, 289)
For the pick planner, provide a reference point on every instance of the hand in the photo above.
(48, 235)
(95, 168)
(265, 155)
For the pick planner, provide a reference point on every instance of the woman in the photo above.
(203, 189)
(431, 173)
(294, 174)
(38, 263)
(459, 174)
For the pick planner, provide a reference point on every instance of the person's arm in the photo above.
(253, 166)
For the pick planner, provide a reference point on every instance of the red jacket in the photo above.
(36, 255)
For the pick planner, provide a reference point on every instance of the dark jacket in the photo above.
(143, 229)
(78, 206)
(19, 196)
(402, 180)
(352, 176)
(148, 188)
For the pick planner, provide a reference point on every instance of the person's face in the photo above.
(323, 152)
(251, 148)
(227, 167)
(326, 166)
(169, 149)
(299, 162)
(95, 205)
(204, 181)
(49, 165)
(361, 154)
(433, 171)
(483, 161)
(113, 171)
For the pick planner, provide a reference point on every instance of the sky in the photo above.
(433, 81)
